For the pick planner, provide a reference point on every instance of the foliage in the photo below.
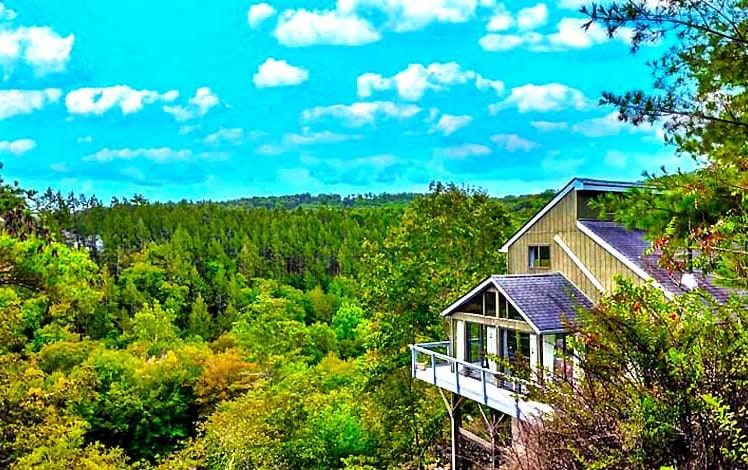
(664, 384)
(447, 242)
(206, 335)
(696, 219)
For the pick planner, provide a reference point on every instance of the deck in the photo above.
(472, 381)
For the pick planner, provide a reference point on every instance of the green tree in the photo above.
(663, 386)
(447, 242)
(700, 96)
(200, 321)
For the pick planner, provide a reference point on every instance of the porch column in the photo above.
(534, 355)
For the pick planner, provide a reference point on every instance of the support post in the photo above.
(455, 416)
(433, 367)
(456, 424)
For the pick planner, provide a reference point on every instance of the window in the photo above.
(539, 256)
(489, 304)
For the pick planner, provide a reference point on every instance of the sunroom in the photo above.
(506, 323)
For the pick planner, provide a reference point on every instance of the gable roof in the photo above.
(633, 245)
(578, 184)
(545, 301)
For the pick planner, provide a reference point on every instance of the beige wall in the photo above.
(561, 220)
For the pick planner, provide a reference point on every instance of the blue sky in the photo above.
(215, 100)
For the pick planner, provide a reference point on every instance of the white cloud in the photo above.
(464, 151)
(484, 84)
(86, 139)
(351, 23)
(274, 73)
(500, 42)
(410, 15)
(362, 113)
(159, 155)
(501, 19)
(224, 135)
(449, 124)
(542, 98)
(17, 102)
(532, 17)
(298, 28)
(416, 79)
(513, 142)
(17, 147)
(98, 101)
(569, 34)
(41, 48)
(198, 106)
(609, 125)
(258, 13)
(547, 126)
(307, 137)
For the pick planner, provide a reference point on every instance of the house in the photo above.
(564, 258)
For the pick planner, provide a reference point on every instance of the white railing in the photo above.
(433, 360)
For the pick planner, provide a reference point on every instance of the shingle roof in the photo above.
(632, 245)
(547, 300)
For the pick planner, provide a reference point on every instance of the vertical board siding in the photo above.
(562, 220)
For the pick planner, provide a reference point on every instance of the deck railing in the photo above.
(428, 356)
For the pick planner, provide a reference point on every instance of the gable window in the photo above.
(539, 256)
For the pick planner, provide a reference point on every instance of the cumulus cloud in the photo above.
(198, 106)
(500, 20)
(17, 102)
(357, 22)
(513, 142)
(17, 147)
(258, 13)
(532, 17)
(448, 124)
(97, 101)
(569, 35)
(361, 113)
(275, 73)
(298, 28)
(542, 98)
(500, 42)
(39, 47)
(609, 125)
(159, 155)
(409, 15)
(412, 83)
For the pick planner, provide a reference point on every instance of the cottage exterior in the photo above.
(562, 259)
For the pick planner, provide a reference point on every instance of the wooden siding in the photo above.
(561, 220)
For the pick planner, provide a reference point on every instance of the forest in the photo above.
(272, 333)
(231, 335)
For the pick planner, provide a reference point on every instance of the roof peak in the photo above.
(575, 184)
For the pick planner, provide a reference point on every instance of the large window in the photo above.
(539, 256)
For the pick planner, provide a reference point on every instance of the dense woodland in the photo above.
(231, 335)
(272, 333)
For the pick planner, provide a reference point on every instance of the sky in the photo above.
(186, 99)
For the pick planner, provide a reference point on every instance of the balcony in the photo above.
(432, 363)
